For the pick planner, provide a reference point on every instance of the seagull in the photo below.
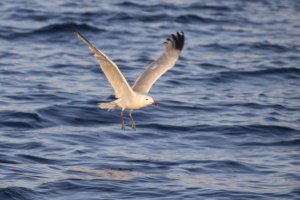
(135, 97)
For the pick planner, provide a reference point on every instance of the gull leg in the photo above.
(123, 123)
(133, 124)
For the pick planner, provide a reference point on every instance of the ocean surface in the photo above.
(228, 121)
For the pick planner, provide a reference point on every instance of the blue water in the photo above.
(228, 121)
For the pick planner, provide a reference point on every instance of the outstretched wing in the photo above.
(110, 69)
(165, 62)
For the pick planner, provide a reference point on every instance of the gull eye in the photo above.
(146, 99)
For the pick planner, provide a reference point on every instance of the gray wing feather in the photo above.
(110, 69)
(166, 61)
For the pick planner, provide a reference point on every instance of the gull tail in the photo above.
(110, 105)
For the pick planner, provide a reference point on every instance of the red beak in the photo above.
(154, 103)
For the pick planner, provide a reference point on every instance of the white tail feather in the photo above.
(109, 105)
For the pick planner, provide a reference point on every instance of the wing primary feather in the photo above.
(179, 40)
(110, 69)
(166, 61)
(175, 41)
(82, 37)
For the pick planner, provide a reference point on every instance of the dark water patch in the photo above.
(168, 105)
(166, 127)
(247, 47)
(192, 19)
(147, 7)
(267, 46)
(76, 115)
(154, 17)
(270, 73)
(31, 14)
(44, 97)
(86, 27)
(261, 106)
(64, 27)
(7, 159)
(70, 4)
(4, 54)
(224, 77)
(294, 194)
(176, 82)
(201, 6)
(60, 67)
(227, 194)
(88, 16)
(19, 12)
(99, 137)
(290, 143)
(219, 47)
(18, 97)
(134, 18)
(39, 95)
(13, 193)
(7, 72)
(210, 66)
(122, 16)
(247, 105)
(107, 188)
(186, 130)
(14, 120)
(49, 74)
(291, 176)
(267, 131)
(57, 188)
(25, 158)
(51, 31)
(219, 166)
(153, 163)
(290, 73)
(24, 145)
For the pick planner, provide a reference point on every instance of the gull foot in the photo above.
(123, 126)
(133, 126)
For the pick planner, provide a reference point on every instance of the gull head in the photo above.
(147, 100)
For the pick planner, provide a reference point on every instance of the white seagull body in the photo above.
(135, 97)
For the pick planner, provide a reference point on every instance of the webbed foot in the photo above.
(133, 126)
(123, 125)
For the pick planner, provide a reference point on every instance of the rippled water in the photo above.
(228, 121)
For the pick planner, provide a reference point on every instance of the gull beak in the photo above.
(154, 103)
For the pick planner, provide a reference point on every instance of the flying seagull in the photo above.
(135, 97)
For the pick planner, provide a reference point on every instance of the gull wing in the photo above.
(110, 69)
(165, 62)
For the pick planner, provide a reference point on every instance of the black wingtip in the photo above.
(178, 40)
(74, 29)
(180, 37)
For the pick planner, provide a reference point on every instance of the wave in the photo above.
(291, 72)
(192, 18)
(147, 7)
(162, 6)
(211, 66)
(19, 193)
(267, 46)
(234, 75)
(122, 16)
(17, 120)
(52, 116)
(283, 143)
(208, 7)
(255, 46)
(255, 130)
(56, 28)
